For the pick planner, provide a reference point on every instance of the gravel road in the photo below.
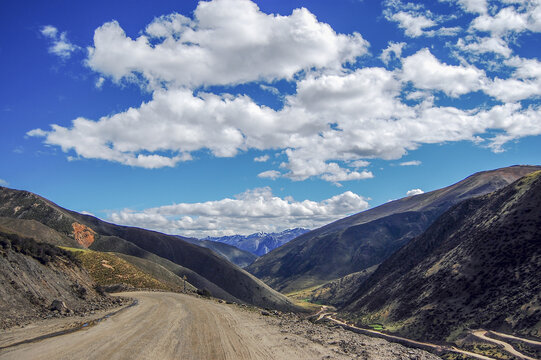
(177, 326)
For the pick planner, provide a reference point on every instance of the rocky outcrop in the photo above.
(84, 235)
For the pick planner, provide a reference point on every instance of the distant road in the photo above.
(174, 326)
(482, 334)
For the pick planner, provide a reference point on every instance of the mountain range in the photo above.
(260, 243)
(477, 266)
(42, 220)
(363, 240)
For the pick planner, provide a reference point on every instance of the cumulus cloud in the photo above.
(426, 72)
(524, 82)
(270, 174)
(99, 82)
(410, 163)
(511, 19)
(227, 42)
(413, 25)
(393, 49)
(483, 45)
(60, 45)
(251, 211)
(338, 118)
(413, 192)
(262, 158)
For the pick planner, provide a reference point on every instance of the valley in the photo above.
(426, 271)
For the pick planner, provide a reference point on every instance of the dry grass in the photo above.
(109, 269)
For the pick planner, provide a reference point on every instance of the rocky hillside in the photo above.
(202, 265)
(476, 267)
(39, 280)
(366, 239)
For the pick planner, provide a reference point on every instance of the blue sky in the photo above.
(233, 116)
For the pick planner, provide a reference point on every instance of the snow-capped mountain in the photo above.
(260, 243)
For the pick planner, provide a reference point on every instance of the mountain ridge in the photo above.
(365, 239)
(476, 266)
(90, 232)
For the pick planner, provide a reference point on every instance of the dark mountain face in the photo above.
(365, 239)
(476, 266)
(260, 243)
(91, 232)
(235, 255)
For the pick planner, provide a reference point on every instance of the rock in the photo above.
(58, 305)
(265, 313)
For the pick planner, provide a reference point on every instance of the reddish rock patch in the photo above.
(83, 234)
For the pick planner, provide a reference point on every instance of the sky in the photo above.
(209, 118)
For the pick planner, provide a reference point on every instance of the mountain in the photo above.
(260, 243)
(237, 256)
(477, 266)
(33, 276)
(200, 265)
(360, 241)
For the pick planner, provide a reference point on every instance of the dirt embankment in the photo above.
(177, 326)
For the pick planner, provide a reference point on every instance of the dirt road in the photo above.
(176, 326)
(481, 334)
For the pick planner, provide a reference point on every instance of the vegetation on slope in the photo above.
(43, 252)
(476, 267)
(109, 269)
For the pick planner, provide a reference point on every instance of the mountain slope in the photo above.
(33, 276)
(260, 243)
(367, 238)
(477, 266)
(86, 230)
(237, 256)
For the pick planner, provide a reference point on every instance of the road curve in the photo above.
(482, 334)
(174, 326)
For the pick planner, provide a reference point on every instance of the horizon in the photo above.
(275, 130)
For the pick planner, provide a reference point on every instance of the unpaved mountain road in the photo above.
(176, 326)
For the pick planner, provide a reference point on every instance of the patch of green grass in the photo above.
(377, 327)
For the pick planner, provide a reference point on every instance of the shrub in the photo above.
(44, 253)
(203, 292)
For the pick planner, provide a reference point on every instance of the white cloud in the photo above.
(471, 6)
(413, 192)
(3, 182)
(482, 45)
(410, 163)
(60, 45)
(251, 211)
(413, 25)
(99, 82)
(393, 49)
(474, 6)
(426, 72)
(270, 174)
(524, 83)
(227, 42)
(270, 89)
(336, 120)
(359, 164)
(262, 158)
(506, 20)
